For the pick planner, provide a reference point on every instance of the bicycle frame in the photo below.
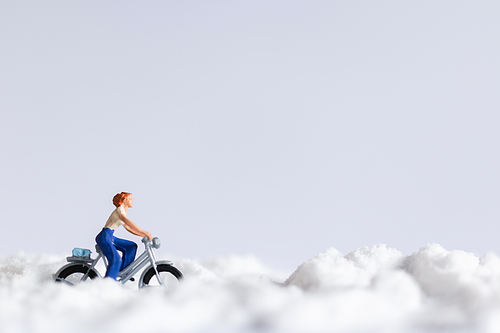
(135, 266)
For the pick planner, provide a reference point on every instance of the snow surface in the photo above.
(368, 290)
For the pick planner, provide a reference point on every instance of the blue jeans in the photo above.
(110, 245)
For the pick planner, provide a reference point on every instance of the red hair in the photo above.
(120, 198)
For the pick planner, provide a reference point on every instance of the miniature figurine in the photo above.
(110, 245)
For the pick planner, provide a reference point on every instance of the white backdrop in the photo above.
(274, 128)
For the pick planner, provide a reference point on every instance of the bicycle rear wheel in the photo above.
(75, 274)
(169, 276)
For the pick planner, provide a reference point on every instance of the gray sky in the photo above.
(274, 128)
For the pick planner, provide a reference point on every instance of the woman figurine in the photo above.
(110, 245)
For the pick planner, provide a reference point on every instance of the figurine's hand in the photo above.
(148, 234)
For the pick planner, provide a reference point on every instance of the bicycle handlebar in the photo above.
(155, 242)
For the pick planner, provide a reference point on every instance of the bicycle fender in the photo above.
(161, 262)
(54, 276)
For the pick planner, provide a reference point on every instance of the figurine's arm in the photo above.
(134, 229)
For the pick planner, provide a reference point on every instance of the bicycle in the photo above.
(82, 267)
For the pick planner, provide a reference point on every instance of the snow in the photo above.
(372, 289)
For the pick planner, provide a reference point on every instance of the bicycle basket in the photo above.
(82, 253)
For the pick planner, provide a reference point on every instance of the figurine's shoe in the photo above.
(131, 279)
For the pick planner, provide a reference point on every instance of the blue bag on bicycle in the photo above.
(77, 252)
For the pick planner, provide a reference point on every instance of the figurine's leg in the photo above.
(105, 240)
(129, 250)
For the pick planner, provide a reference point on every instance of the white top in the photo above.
(114, 221)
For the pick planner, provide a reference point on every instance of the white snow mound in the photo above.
(373, 289)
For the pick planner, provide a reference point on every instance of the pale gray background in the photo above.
(274, 128)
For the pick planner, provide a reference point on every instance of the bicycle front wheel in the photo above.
(75, 274)
(168, 274)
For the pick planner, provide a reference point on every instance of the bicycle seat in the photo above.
(98, 250)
